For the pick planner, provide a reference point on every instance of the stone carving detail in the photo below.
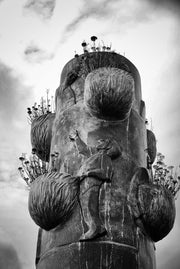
(149, 203)
(97, 205)
(96, 170)
(41, 133)
(57, 198)
(109, 93)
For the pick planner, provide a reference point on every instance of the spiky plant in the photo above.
(165, 176)
(31, 167)
(46, 106)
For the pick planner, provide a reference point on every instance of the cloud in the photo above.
(172, 5)
(8, 257)
(119, 14)
(165, 99)
(115, 15)
(90, 9)
(14, 98)
(33, 54)
(11, 93)
(173, 262)
(17, 229)
(42, 8)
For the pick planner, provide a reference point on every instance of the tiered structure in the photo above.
(98, 205)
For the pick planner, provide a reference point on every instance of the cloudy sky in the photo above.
(37, 37)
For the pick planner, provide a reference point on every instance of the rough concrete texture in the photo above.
(97, 206)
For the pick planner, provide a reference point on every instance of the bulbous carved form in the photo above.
(57, 196)
(41, 133)
(151, 146)
(108, 93)
(158, 210)
(153, 206)
(98, 206)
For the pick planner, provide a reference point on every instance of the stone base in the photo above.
(95, 255)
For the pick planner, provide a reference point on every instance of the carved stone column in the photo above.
(97, 207)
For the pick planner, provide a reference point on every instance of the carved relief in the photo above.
(111, 148)
(108, 93)
(96, 170)
(52, 199)
(149, 204)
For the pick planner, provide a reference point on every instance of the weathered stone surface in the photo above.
(108, 93)
(158, 210)
(52, 199)
(151, 146)
(97, 206)
(41, 134)
(152, 206)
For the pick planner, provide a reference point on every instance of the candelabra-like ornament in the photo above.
(93, 192)
(165, 176)
(31, 168)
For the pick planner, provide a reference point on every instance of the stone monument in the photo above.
(97, 203)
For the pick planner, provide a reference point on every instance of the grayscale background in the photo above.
(36, 39)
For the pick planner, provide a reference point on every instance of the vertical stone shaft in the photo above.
(96, 209)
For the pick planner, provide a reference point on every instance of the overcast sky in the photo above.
(36, 39)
